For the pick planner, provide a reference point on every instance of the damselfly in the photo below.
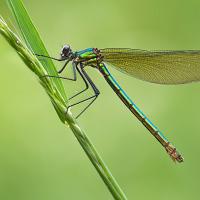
(162, 67)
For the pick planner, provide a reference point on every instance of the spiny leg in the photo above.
(86, 77)
(84, 80)
(60, 71)
(94, 98)
(57, 59)
(66, 78)
(74, 66)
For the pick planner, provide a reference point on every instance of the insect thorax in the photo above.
(89, 57)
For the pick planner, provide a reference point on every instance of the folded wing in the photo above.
(162, 67)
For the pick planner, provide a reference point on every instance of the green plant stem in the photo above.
(59, 104)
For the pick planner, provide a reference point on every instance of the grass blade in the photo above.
(53, 87)
(33, 40)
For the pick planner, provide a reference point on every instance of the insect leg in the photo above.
(61, 70)
(57, 59)
(84, 80)
(86, 77)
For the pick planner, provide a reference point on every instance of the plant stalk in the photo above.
(59, 104)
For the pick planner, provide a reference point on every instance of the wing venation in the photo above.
(162, 67)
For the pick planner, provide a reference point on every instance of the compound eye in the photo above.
(65, 51)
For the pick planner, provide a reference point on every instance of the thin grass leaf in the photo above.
(53, 87)
(33, 40)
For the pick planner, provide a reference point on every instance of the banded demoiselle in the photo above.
(162, 67)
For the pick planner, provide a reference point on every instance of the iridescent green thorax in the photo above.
(89, 57)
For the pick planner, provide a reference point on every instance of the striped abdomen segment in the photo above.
(171, 150)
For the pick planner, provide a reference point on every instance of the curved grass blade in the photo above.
(54, 88)
(33, 40)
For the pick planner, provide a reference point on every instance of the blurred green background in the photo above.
(40, 158)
